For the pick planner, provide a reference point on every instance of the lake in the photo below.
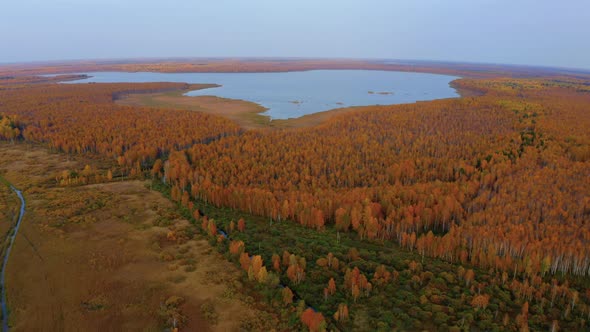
(294, 94)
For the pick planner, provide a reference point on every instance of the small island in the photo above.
(384, 93)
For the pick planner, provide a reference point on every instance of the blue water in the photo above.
(294, 94)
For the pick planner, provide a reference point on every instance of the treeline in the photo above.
(254, 66)
(84, 119)
(10, 129)
(470, 180)
(329, 284)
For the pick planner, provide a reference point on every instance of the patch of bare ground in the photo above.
(247, 114)
(111, 257)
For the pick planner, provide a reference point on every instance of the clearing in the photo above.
(112, 256)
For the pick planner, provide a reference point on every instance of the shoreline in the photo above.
(245, 113)
(250, 115)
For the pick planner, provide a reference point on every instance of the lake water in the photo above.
(294, 94)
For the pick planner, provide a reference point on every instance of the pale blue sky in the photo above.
(534, 32)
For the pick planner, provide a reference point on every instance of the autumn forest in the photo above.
(459, 214)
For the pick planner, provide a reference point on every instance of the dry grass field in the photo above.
(110, 257)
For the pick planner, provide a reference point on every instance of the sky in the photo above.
(529, 32)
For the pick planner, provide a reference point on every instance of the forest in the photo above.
(459, 214)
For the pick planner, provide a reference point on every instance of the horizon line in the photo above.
(119, 60)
